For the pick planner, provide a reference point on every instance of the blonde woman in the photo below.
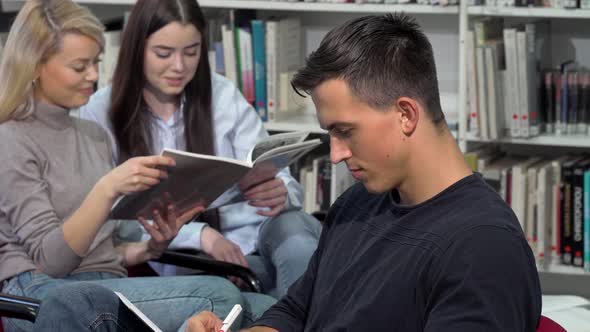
(56, 188)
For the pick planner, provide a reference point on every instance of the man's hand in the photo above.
(271, 194)
(205, 321)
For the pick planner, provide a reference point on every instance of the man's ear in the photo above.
(409, 112)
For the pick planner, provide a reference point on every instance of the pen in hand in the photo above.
(231, 317)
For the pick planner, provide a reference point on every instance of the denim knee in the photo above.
(79, 306)
(289, 224)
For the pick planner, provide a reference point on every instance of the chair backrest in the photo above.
(548, 325)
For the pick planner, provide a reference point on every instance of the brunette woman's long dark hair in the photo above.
(130, 121)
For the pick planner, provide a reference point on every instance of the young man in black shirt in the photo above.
(421, 243)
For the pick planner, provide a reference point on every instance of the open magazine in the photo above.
(213, 181)
(148, 325)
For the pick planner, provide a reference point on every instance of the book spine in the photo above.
(532, 78)
(572, 113)
(523, 106)
(239, 56)
(272, 75)
(549, 98)
(587, 220)
(471, 73)
(512, 80)
(564, 101)
(566, 213)
(583, 103)
(258, 41)
(577, 216)
(229, 54)
(482, 92)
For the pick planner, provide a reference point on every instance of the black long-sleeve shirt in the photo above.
(457, 262)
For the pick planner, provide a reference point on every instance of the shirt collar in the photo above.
(56, 117)
(177, 117)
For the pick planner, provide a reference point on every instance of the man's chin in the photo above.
(374, 188)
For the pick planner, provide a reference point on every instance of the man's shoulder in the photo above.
(356, 203)
(357, 195)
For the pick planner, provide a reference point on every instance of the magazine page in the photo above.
(269, 164)
(195, 180)
(148, 323)
(274, 141)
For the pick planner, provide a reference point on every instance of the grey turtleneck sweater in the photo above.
(50, 162)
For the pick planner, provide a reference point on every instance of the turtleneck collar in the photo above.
(54, 116)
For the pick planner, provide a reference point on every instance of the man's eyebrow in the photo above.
(338, 124)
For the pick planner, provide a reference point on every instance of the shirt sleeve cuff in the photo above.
(189, 236)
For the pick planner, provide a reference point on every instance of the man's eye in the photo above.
(344, 133)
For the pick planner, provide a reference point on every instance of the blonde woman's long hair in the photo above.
(34, 37)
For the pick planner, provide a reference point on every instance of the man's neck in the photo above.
(436, 163)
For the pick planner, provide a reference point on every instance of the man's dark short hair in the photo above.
(381, 58)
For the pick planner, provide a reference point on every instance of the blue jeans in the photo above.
(285, 246)
(86, 302)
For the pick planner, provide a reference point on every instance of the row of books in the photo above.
(566, 101)
(322, 181)
(507, 93)
(568, 4)
(549, 196)
(260, 57)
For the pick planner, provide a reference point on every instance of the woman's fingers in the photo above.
(152, 161)
(155, 173)
(188, 215)
(172, 220)
(151, 229)
(271, 213)
(162, 224)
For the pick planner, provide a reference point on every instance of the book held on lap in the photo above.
(214, 181)
(144, 319)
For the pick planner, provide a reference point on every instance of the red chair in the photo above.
(546, 324)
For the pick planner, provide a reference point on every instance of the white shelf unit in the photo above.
(301, 6)
(305, 122)
(536, 12)
(576, 141)
(555, 278)
(329, 7)
(465, 14)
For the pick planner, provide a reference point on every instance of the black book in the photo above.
(565, 226)
(578, 212)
